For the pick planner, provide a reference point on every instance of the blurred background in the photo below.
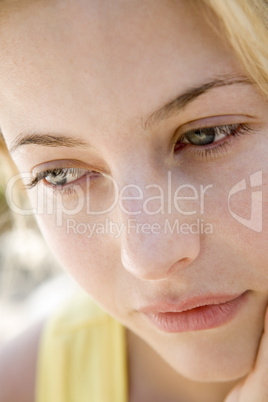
(32, 284)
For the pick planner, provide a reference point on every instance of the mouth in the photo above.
(195, 314)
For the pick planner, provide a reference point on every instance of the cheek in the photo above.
(90, 256)
(239, 216)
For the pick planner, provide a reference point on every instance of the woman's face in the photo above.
(159, 222)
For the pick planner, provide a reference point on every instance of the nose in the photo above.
(154, 250)
(158, 239)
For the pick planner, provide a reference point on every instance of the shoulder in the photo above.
(18, 361)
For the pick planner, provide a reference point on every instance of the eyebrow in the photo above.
(47, 140)
(177, 105)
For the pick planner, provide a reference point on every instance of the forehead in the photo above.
(104, 62)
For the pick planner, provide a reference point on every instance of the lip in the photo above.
(195, 314)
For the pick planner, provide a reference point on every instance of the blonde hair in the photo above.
(244, 23)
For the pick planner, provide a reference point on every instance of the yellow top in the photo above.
(82, 356)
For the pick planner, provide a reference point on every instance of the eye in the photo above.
(208, 135)
(204, 138)
(60, 177)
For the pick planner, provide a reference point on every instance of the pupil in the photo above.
(201, 137)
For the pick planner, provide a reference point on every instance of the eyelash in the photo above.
(201, 151)
(236, 130)
(63, 188)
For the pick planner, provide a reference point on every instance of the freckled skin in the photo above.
(93, 71)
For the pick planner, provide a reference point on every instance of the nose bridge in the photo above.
(153, 246)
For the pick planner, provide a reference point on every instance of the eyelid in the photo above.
(213, 121)
(67, 164)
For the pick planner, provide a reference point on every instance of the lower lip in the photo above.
(200, 318)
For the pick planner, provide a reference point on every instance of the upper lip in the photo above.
(186, 304)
